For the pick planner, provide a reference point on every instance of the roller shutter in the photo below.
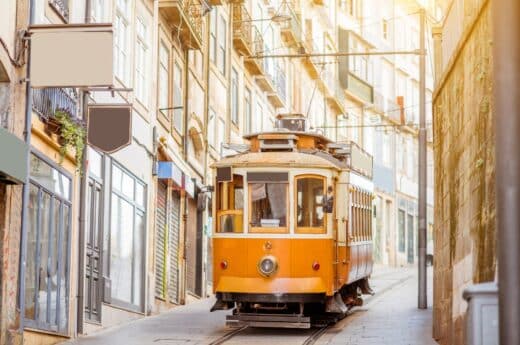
(173, 235)
(161, 241)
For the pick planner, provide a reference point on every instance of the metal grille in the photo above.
(160, 242)
(173, 243)
(47, 101)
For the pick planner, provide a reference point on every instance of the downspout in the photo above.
(185, 158)
(26, 186)
(205, 133)
(83, 207)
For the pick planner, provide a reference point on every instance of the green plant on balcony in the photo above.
(72, 135)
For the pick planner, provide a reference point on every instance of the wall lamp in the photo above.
(277, 18)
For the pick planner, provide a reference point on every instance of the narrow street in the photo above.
(389, 317)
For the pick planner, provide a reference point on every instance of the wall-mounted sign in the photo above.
(72, 55)
(169, 171)
(109, 127)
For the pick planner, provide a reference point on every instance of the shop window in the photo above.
(47, 274)
(127, 230)
(230, 205)
(268, 202)
(310, 202)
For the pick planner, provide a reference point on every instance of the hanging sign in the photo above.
(71, 55)
(109, 127)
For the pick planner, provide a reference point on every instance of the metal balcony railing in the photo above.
(292, 29)
(187, 17)
(46, 102)
(280, 82)
(62, 7)
(195, 10)
(242, 28)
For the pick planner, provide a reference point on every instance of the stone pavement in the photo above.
(389, 317)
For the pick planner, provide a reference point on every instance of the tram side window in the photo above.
(268, 202)
(310, 202)
(230, 205)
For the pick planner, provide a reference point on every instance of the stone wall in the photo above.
(464, 175)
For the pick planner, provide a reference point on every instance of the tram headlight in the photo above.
(267, 265)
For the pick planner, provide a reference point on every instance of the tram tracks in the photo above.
(228, 336)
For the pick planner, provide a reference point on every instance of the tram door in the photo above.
(411, 232)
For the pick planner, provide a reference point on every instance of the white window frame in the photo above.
(141, 61)
(121, 41)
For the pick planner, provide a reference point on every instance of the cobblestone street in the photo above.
(389, 317)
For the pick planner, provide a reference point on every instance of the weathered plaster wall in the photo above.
(464, 175)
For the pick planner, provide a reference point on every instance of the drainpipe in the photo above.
(83, 207)
(26, 186)
(506, 56)
(185, 158)
(205, 132)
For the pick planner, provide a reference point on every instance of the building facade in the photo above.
(465, 215)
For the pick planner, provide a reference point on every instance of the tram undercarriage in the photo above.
(291, 310)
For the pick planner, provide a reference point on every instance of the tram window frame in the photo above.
(310, 229)
(267, 178)
(223, 206)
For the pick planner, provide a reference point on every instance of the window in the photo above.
(221, 131)
(127, 229)
(164, 89)
(247, 110)
(234, 96)
(384, 25)
(230, 205)
(141, 63)
(387, 150)
(121, 34)
(178, 112)
(354, 131)
(213, 36)
(97, 11)
(256, 125)
(268, 202)
(402, 225)
(47, 274)
(310, 215)
(221, 58)
(211, 127)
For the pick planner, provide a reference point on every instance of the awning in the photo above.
(13, 158)
(168, 170)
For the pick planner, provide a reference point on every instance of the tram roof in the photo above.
(310, 158)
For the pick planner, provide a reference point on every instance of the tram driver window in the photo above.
(310, 204)
(230, 205)
(268, 202)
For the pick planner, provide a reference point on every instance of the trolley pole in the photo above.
(422, 300)
(506, 64)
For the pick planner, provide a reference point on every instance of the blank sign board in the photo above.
(71, 55)
(109, 127)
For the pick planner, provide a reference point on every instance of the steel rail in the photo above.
(313, 338)
(228, 336)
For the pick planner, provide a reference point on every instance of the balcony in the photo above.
(242, 30)
(46, 102)
(337, 98)
(291, 30)
(360, 88)
(318, 2)
(255, 66)
(266, 80)
(311, 64)
(186, 15)
(278, 98)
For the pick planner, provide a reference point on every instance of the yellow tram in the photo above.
(292, 234)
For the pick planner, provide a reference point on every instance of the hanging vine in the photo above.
(72, 135)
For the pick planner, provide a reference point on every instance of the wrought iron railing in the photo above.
(280, 82)
(62, 7)
(294, 24)
(195, 9)
(46, 102)
(242, 23)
